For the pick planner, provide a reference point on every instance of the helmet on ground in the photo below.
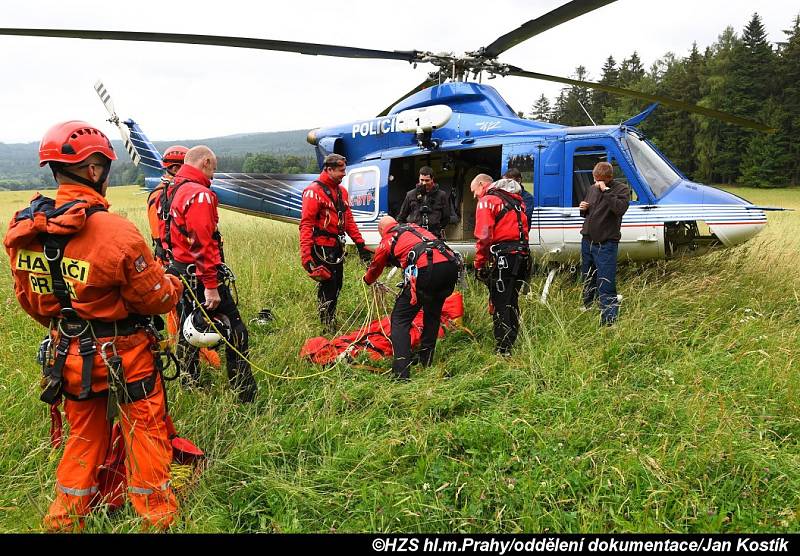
(72, 142)
(174, 155)
(202, 333)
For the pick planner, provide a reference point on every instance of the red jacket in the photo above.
(407, 242)
(194, 210)
(488, 231)
(319, 212)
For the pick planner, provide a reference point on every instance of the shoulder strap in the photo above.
(509, 204)
(425, 245)
(54, 246)
(400, 230)
(165, 213)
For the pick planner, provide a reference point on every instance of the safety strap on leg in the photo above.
(87, 350)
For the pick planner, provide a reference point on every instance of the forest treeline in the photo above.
(743, 75)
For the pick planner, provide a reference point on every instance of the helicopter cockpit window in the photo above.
(657, 173)
(582, 165)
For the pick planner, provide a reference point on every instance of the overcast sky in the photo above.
(192, 92)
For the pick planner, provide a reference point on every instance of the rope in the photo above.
(240, 354)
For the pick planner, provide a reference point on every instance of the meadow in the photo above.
(681, 418)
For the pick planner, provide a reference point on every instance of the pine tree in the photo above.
(716, 141)
(631, 70)
(789, 75)
(602, 100)
(560, 109)
(674, 130)
(767, 156)
(577, 99)
(541, 110)
(631, 76)
(754, 83)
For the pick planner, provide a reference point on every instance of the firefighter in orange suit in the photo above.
(90, 277)
(172, 160)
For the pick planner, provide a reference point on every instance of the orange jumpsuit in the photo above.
(111, 274)
(152, 209)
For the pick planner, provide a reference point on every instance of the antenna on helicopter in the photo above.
(586, 112)
(105, 97)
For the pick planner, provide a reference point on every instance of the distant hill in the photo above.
(19, 165)
(276, 142)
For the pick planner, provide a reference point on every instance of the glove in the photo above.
(483, 274)
(364, 253)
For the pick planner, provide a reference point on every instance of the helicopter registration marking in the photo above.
(375, 127)
(488, 126)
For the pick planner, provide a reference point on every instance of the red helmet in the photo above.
(174, 155)
(72, 142)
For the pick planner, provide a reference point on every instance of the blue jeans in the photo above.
(599, 272)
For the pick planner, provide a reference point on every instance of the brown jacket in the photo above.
(603, 218)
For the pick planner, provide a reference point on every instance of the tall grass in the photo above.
(682, 417)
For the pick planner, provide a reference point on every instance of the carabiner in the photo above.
(104, 348)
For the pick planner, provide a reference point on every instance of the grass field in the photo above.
(683, 417)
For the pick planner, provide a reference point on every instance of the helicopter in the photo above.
(462, 127)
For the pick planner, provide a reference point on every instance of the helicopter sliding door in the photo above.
(453, 172)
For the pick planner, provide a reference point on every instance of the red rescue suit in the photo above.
(193, 230)
(111, 276)
(430, 264)
(394, 250)
(320, 224)
(502, 259)
(492, 228)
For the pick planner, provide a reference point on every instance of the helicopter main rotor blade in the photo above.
(424, 85)
(311, 49)
(560, 15)
(666, 101)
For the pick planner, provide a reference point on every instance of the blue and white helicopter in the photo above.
(462, 128)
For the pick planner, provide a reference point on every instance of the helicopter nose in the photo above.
(733, 233)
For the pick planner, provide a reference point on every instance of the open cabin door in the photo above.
(453, 172)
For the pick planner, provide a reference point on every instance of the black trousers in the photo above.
(434, 284)
(328, 291)
(240, 375)
(509, 274)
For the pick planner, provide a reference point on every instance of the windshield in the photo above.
(654, 169)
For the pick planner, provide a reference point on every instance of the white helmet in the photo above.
(199, 332)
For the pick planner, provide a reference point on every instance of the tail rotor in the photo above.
(105, 97)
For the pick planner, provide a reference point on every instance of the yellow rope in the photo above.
(240, 354)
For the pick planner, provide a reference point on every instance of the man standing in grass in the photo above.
(602, 210)
(431, 271)
(502, 253)
(189, 232)
(325, 219)
(90, 277)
